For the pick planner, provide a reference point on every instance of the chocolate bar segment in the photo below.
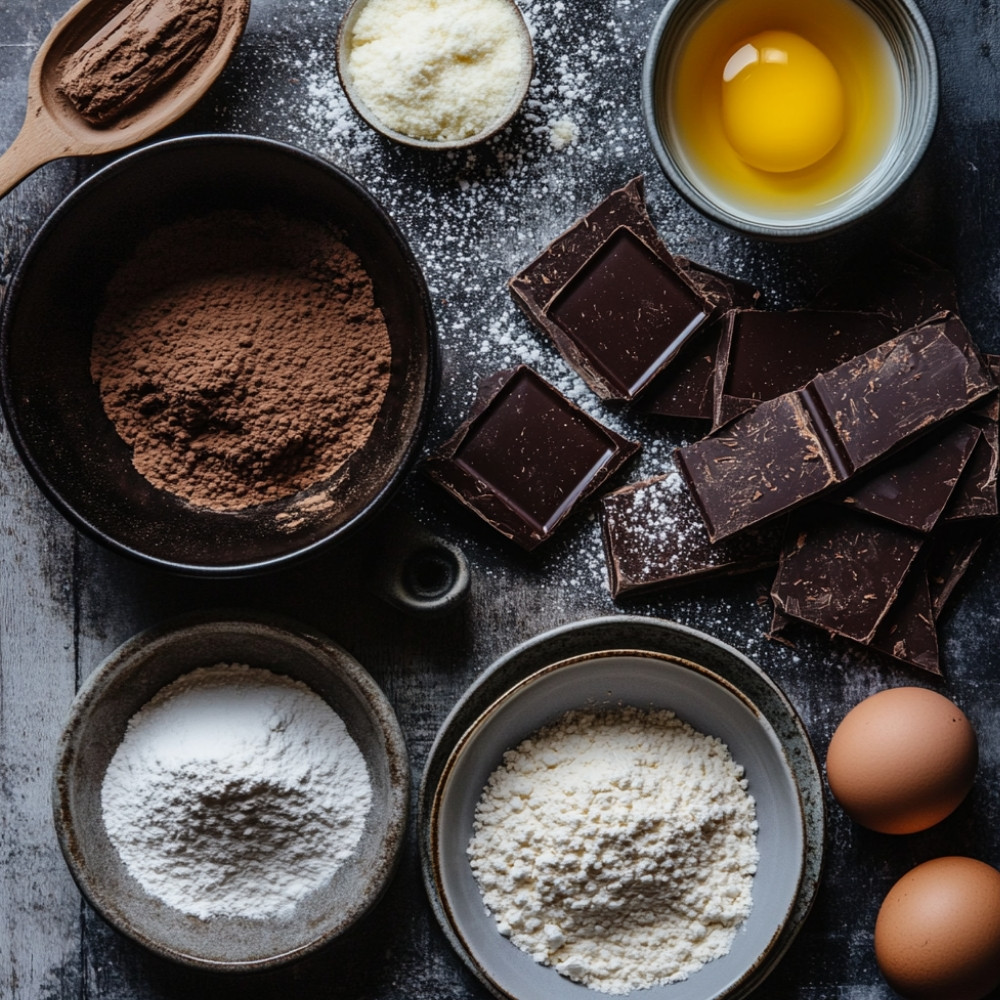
(908, 632)
(976, 495)
(654, 538)
(612, 298)
(842, 571)
(950, 552)
(803, 444)
(917, 488)
(764, 354)
(685, 390)
(526, 457)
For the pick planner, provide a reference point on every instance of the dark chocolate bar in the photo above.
(950, 552)
(908, 632)
(612, 298)
(803, 444)
(842, 571)
(764, 354)
(905, 287)
(976, 495)
(686, 388)
(654, 538)
(527, 456)
(917, 488)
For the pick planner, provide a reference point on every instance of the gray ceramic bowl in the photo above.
(53, 409)
(122, 684)
(367, 114)
(524, 691)
(914, 57)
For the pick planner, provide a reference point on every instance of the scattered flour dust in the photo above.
(618, 847)
(235, 792)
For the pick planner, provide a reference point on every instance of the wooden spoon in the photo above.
(54, 128)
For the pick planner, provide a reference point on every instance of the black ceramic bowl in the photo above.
(53, 408)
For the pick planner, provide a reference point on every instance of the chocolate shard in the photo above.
(842, 571)
(654, 538)
(907, 288)
(976, 494)
(764, 354)
(908, 632)
(803, 444)
(950, 552)
(685, 390)
(526, 457)
(612, 298)
(916, 489)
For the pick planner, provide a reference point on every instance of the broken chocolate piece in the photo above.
(764, 354)
(654, 538)
(900, 284)
(918, 486)
(686, 388)
(950, 551)
(976, 495)
(908, 632)
(612, 298)
(805, 443)
(842, 571)
(527, 456)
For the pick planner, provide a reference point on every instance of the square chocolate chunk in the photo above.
(612, 298)
(526, 457)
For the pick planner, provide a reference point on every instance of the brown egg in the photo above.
(902, 760)
(937, 936)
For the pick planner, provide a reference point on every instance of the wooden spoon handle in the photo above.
(29, 150)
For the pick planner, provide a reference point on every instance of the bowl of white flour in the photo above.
(231, 791)
(620, 820)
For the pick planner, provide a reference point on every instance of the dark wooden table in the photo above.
(473, 219)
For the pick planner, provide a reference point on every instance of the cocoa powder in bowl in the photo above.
(241, 356)
(54, 410)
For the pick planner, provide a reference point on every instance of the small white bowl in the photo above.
(125, 682)
(914, 59)
(705, 700)
(345, 35)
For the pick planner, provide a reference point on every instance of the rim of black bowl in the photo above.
(247, 567)
(908, 20)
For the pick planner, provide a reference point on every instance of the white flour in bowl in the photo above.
(235, 792)
(618, 847)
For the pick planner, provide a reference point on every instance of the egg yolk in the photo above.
(782, 102)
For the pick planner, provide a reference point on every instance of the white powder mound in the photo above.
(437, 69)
(235, 792)
(618, 847)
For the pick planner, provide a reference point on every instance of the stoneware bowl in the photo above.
(53, 409)
(779, 766)
(345, 38)
(913, 55)
(122, 684)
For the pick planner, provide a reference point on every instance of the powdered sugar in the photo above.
(235, 792)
